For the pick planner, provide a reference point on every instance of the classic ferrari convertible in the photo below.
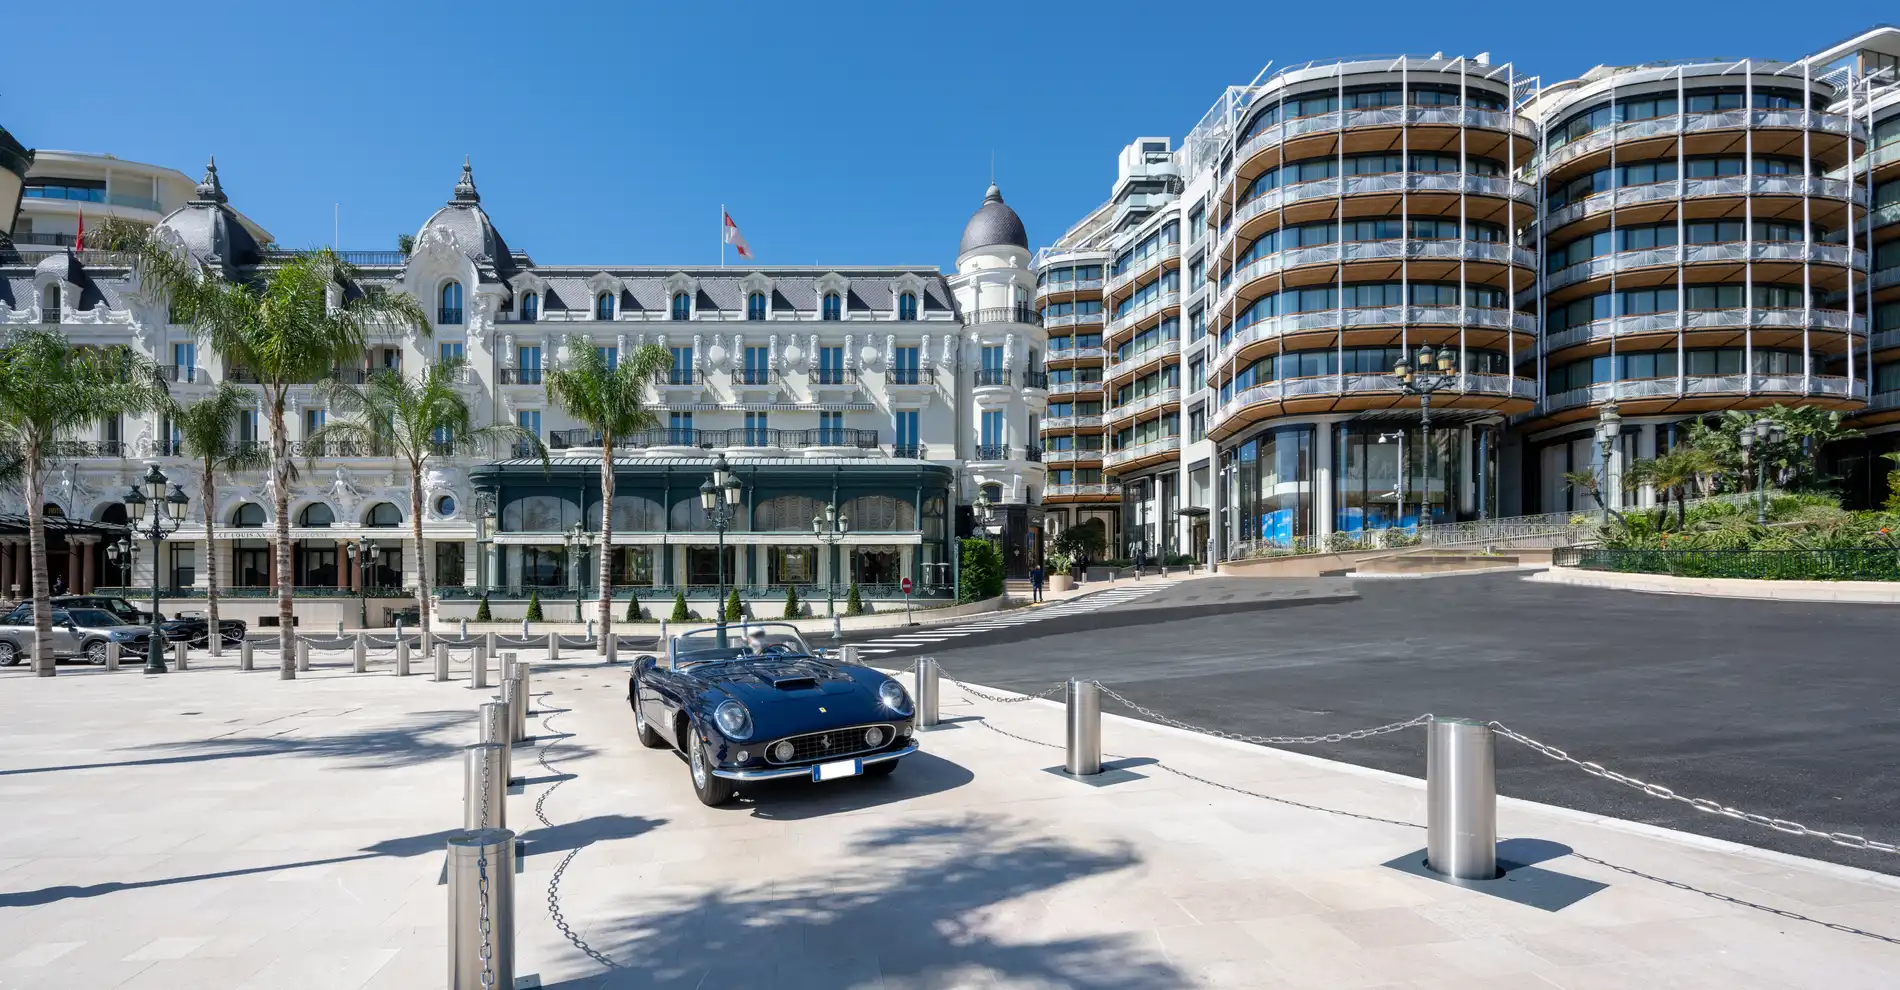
(756, 703)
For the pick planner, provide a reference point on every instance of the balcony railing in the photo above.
(521, 376)
(349, 258)
(1036, 380)
(992, 452)
(1019, 313)
(754, 376)
(88, 448)
(717, 439)
(912, 451)
(1032, 454)
(833, 376)
(679, 376)
(991, 376)
(449, 316)
(338, 448)
(178, 373)
(911, 376)
(1082, 488)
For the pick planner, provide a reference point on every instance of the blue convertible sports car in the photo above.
(758, 704)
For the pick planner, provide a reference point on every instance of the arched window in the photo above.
(881, 514)
(682, 306)
(383, 514)
(539, 514)
(449, 312)
(49, 303)
(907, 306)
(632, 514)
(604, 306)
(834, 306)
(787, 513)
(250, 515)
(993, 492)
(316, 515)
(530, 307)
(755, 306)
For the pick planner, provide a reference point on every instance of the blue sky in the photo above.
(836, 134)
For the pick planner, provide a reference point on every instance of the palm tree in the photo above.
(290, 327)
(413, 420)
(1671, 474)
(204, 427)
(1592, 483)
(49, 387)
(612, 400)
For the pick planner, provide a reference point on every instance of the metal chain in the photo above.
(998, 698)
(554, 882)
(1713, 807)
(1330, 737)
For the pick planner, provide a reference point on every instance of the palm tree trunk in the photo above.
(606, 537)
(214, 631)
(44, 664)
(415, 535)
(280, 504)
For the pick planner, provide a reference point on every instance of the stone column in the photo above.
(72, 567)
(86, 555)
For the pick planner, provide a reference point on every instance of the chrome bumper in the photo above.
(778, 773)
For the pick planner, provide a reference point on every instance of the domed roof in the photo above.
(993, 223)
(208, 228)
(474, 232)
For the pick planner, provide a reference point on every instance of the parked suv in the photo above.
(191, 627)
(77, 632)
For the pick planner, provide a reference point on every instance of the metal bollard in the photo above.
(112, 655)
(516, 690)
(478, 667)
(493, 728)
(488, 643)
(441, 661)
(485, 786)
(610, 646)
(1085, 728)
(402, 656)
(527, 697)
(178, 656)
(1461, 799)
(524, 628)
(663, 639)
(361, 656)
(482, 877)
(303, 654)
(464, 629)
(245, 660)
(554, 646)
(927, 691)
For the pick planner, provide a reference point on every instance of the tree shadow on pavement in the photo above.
(937, 904)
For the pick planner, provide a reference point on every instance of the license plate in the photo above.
(833, 771)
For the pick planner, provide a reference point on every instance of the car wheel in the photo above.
(713, 791)
(9, 654)
(96, 653)
(881, 769)
(648, 738)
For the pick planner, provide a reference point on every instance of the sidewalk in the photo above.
(219, 829)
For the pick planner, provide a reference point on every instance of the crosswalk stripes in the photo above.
(1008, 620)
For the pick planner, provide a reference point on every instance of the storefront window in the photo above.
(632, 565)
(448, 565)
(791, 565)
(875, 565)
(1273, 498)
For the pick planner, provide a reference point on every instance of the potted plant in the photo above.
(1057, 573)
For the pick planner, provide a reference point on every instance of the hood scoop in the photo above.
(797, 682)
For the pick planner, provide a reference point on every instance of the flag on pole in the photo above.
(79, 242)
(734, 238)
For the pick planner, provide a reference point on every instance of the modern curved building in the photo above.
(1069, 277)
(61, 188)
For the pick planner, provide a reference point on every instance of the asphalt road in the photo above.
(1786, 709)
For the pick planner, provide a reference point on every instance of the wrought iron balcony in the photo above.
(991, 376)
(521, 376)
(1036, 380)
(992, 452)
(448, 316)
(911, 376)
(758, 377)
(833, 376)
(679, 376)
(913, 451)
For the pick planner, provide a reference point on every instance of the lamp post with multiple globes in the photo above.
(155, 515)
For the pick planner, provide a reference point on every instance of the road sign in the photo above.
(904, 586)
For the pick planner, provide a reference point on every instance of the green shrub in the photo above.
(534, 607)
(792, 608)
(633, 608)
(854, 602)
(980, 571)
(680, 614)
(482, 614)
(734, 610)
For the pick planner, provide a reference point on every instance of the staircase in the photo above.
(1018, 589)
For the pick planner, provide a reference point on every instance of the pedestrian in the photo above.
(59, 586)
(1035, 581)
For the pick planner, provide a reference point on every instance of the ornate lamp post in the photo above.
(155, 515)
(121, 554)
(361, 553)
(578, 540)
(1437, 369)
(719, 496)
(1761, 433)
(1609, 429)
(829, 530)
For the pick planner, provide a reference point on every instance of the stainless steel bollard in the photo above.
(1085, 728)
(488, 643)
(927, 691)
(493, 728)
(178, 656)
(511, 699)
(402, 656)
(464, 629)
(441, 661)
(245, 660)
(1461, 799)
(478, 667)
(303, 654)
(554, 646)
(485, 787)
(848, 654)
(522, 670)
(361, 652)
(482, 874)
(112, 655)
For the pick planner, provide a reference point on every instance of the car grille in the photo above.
(833, 744)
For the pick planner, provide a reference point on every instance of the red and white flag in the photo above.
(79, 242)
(734, 238)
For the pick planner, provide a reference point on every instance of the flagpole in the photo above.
(722, 235)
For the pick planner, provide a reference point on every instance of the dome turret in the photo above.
(993, 224)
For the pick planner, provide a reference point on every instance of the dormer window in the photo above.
(682, 306)
(530, 307)
(49, 304)
(604, 306)
(755, 306)
(834, 306)
(449, 309)
(907, 306)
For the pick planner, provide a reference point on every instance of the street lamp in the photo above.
(120, 554)
(1609, 429)
(1437, 369)
(361, 553)
(1761, 432)
(719, 496)
(578, 539)
(484, 513)
(156, 514)
(829, 529)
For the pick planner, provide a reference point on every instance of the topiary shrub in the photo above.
(734, 610)
(981, 571)
(854, 602)
(482, 614)
(534, 607)
(633, 609)
(793, 608)
(680, 614)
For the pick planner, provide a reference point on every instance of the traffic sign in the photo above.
(904, 586)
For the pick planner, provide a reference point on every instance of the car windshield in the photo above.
(735, 642)
(117, 606)
(92, 617)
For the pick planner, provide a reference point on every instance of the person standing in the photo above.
(1035, 582)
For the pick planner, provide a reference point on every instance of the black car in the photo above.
(194, 628)
(761, 705)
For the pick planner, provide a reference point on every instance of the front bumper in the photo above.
(777, 773)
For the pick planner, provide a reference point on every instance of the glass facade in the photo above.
(1270, 486)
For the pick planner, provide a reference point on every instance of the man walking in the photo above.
(1035, 582)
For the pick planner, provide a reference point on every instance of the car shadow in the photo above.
(917, 775)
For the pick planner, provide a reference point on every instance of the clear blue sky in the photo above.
(839, 134)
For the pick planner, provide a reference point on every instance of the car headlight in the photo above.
(733, 719)
(892, 695)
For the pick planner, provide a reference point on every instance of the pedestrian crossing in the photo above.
(926, 638)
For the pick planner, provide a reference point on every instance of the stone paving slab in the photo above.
(220, 829)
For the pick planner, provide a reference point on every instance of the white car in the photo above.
(77, 633)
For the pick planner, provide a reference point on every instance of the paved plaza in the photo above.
(222, 829)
